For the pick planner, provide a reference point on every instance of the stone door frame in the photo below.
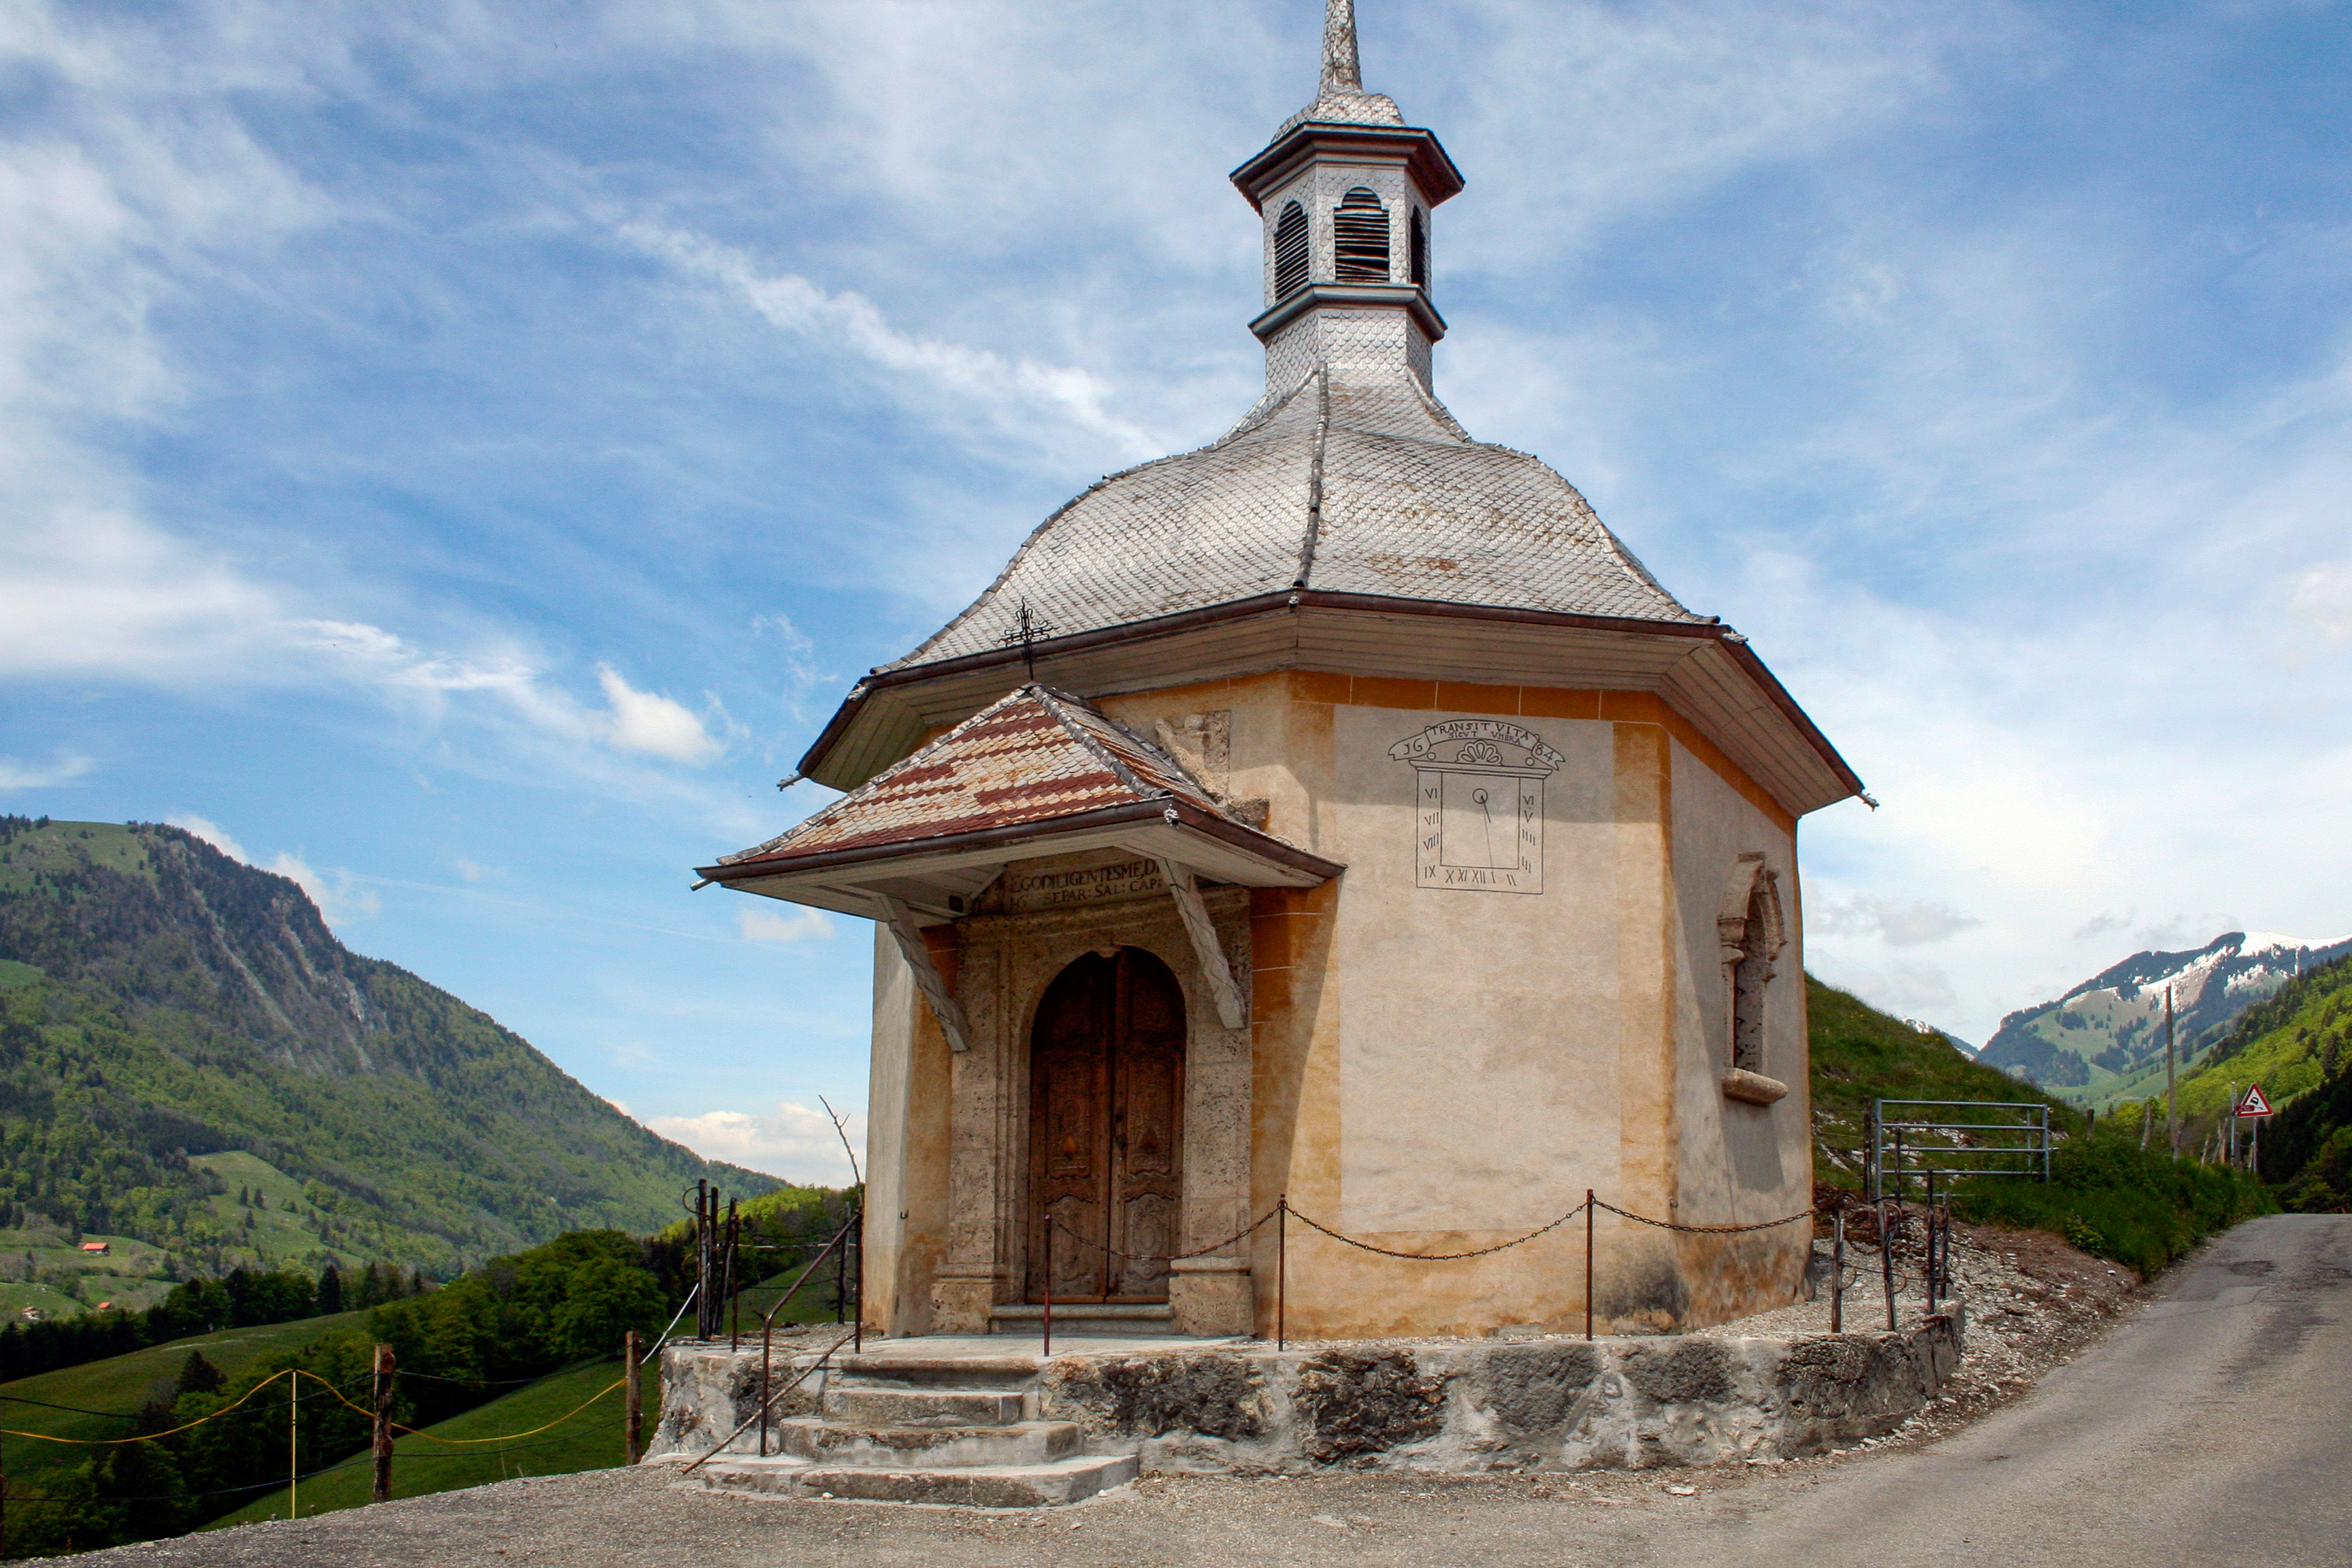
(1005, 964)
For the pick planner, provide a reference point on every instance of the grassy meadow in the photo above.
(582, 1439)
(124, 1383)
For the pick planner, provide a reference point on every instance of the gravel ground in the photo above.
(2032, 1302)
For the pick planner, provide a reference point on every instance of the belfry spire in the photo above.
(1341, 72)
(1346, 189)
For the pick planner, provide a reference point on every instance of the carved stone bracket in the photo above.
(1232, 1011)
(1752, 1087)
(928, 978)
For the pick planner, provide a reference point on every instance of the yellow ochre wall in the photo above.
(1439, 1070)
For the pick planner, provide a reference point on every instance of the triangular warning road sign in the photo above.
(2255, 1103)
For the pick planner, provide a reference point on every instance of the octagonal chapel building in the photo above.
(1339, 813)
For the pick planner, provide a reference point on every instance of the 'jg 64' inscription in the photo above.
(1478, 804)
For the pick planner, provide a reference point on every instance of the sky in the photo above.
(458, 454)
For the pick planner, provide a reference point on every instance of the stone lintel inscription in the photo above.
(1135, 878)
(1478, 804)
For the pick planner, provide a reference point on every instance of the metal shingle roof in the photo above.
(1408, 507)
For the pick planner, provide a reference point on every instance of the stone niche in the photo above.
(1029, 927)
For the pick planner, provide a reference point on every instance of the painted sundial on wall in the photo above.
(1478, 804)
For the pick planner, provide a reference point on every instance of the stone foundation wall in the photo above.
(708, 1390)
(1455, 1406)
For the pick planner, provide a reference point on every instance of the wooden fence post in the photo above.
(1837, 1275)
(1887, 1259)
(384, 1368)
(632, 1400)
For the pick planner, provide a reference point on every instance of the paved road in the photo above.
(2213, 1428)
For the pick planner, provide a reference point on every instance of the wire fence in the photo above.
(1282, 1213)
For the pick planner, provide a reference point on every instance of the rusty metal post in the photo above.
(1282, 1272)
(1886, 1257)
(767, 1346)
(385, 1369)
(1047, 1351)
(734, 1297)
(1837, 1271)
(1928, 1281)
(857, 1284)
(633, 1412)
(1588, 1262)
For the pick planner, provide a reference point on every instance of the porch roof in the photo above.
(1038, 772)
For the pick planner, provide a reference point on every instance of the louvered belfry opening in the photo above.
(1418, 277)
(1290, 252)
(1362, 229)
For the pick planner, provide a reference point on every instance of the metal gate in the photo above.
(1927, 1139)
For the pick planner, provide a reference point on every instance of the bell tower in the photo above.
(1346, 189)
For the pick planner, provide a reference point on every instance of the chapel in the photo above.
(1339, 814)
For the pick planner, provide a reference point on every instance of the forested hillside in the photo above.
(164, 1008)
(2298, 1047)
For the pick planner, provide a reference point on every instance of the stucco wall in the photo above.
(1440, 1068)
(1740, 1163)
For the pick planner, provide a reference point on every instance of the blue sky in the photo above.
(460, 453)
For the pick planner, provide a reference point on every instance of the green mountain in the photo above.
(190, 1059)
(2103, 1042)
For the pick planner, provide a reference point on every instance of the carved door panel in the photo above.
(1069, 1132)
(1147, 1087)
(1106, 1096)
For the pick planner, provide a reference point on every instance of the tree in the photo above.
(331, 1290)
(198, 1376)
(604, 1299)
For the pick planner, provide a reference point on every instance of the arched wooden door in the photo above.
(1105, 1107)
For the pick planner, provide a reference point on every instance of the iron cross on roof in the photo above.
(1027, 631)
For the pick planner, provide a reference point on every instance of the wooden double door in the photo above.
(1106, 1134)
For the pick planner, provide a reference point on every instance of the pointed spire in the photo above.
(1341, 99)
(1341, 73)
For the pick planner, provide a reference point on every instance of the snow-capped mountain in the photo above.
(2104, 1038)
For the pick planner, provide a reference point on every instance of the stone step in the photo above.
(1087, 1319)
(860, 1406)
(995, 1486)
(831, 1443)
(958, 1372)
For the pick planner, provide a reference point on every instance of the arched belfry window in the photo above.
(1418, 276)
(1361, 230)
(1290, 252)
(1751, 931)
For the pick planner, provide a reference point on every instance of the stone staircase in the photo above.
(907, 1429)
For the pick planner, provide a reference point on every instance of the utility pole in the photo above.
(2229, 1130)
(2171, 1093)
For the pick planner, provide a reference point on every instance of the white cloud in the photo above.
(650, 721)
(62, 767)
(760, 924)
(2323, 596)
(795, 1141)
(474, 873)
(340, 898)
(1011, 390)
(1896, 922)
(1910, 991)
(212, 833)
